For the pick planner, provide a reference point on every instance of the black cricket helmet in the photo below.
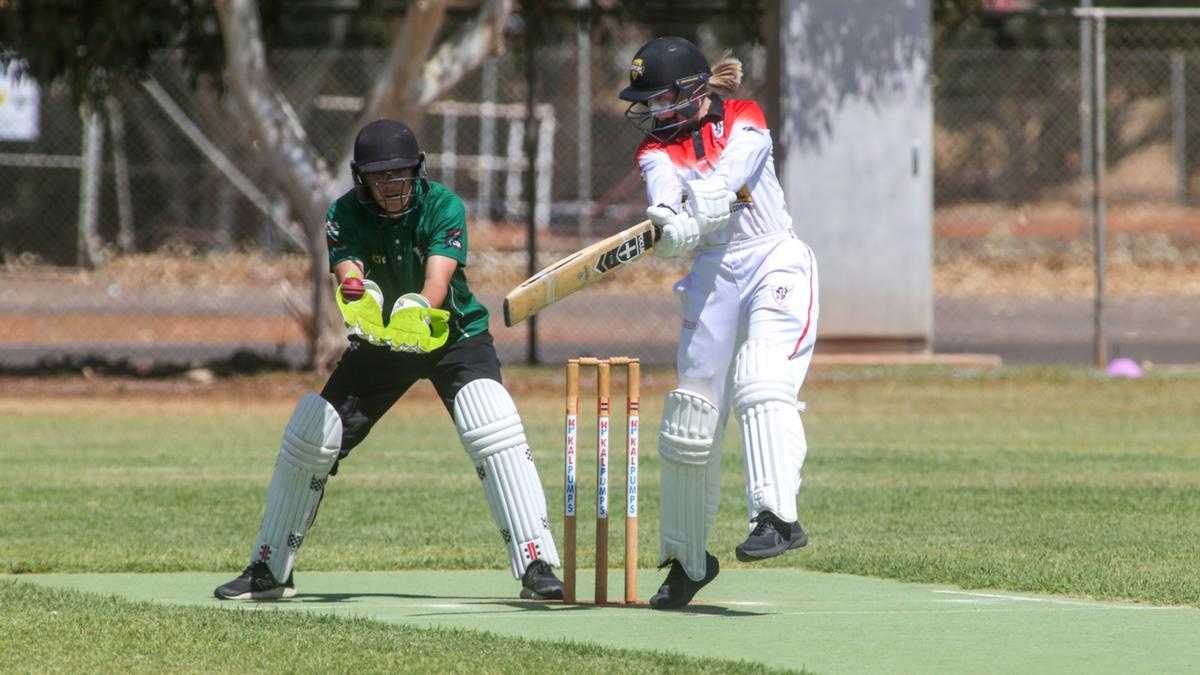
(665, 65)
(388, 168)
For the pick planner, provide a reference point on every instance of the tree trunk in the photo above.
(116, 126)
(412, 40)
(89, 246)
(304, 178)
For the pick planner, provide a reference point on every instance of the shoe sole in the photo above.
(527, 594)
(683, 605)
(687, 602)
(274, 594)
(743, 556)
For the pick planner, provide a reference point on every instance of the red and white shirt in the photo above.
(733, 142)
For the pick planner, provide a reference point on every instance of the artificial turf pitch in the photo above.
(828, 623)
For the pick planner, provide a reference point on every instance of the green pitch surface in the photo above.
(1033, 482)
(791, 619)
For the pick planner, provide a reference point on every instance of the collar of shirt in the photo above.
(716, 110)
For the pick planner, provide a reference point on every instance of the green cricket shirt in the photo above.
(393, 251)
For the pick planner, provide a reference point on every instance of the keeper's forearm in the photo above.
(438, 271)
(347, 268)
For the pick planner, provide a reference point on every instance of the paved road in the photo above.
(1162, 330)
(1021, 331)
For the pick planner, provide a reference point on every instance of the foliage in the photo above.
(86, 43)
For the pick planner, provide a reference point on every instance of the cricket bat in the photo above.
(584, 268)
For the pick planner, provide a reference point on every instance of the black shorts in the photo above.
(369, 379)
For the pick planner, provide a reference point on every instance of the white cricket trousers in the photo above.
(762, 288)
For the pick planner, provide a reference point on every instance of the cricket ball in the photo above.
(352, 289)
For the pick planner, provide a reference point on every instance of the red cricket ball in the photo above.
(352, 289)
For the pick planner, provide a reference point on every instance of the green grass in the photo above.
(47, 630)
(1025, 479)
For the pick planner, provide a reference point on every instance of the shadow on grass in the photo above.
(522, 605)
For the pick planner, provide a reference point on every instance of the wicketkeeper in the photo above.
(398, 247)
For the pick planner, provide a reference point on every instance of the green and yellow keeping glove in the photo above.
(413, 326)
(363, 316)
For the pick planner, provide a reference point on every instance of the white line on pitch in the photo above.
(1056, 601)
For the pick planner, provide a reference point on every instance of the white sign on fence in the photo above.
(18, 106)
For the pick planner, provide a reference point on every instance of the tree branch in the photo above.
(412, 38)
(306, 179)
(401, 90)
(465, 51)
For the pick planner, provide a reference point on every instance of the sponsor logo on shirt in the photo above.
(333, 234)
(719, 129)
(379, 259)
(454, 238)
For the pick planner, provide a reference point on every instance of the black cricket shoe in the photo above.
(256, 583)
(679, 589)
(539, 582)
(770, 537)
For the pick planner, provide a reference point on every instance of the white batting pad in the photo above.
(494, 438)
(685, 444)
(764, 394)
(311, 441)
(713, 473)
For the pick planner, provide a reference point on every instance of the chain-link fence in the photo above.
(187, 256)
(178, 252)
(1014, 229)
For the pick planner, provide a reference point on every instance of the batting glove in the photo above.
(680, 233)
(708, 201)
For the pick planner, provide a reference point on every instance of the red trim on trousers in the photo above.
(808, 319)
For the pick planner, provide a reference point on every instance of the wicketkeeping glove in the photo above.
(418, 329)
(680, 233)
(363, 316)
(411, 328)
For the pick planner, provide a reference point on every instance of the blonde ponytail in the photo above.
(726, 75)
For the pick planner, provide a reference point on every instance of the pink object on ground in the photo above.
(1124, 368)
